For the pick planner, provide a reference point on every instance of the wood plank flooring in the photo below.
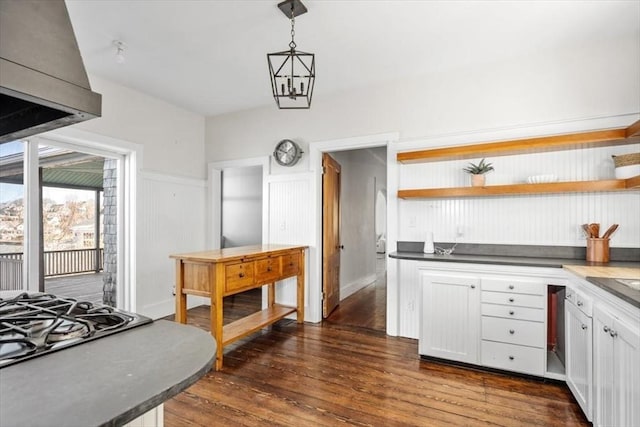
(83, 287)
(335, 374)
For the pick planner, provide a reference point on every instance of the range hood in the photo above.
(43, 82)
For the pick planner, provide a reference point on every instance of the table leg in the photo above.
(300, 290)
(181, 298)
(271, 294)
(217, 285)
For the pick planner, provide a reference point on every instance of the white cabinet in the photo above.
(616, 368)
(449, 326)
(513, 324)
(578, 350)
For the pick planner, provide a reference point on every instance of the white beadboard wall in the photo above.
(528, 219)
(290, 223)
(172, 220)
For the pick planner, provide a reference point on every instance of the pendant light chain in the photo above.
(292, 45)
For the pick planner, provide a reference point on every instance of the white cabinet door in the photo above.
(616, 356)
(450, 317)
(578, 348)
(626, 392)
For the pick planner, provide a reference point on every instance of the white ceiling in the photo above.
(209, 57)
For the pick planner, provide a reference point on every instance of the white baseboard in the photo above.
(355, 286)
(168, 306)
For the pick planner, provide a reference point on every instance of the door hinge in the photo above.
(324, 170)
(324, 296)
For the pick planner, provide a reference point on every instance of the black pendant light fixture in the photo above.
(292, 72)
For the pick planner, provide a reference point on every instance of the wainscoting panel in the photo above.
(171, 219)
(290, 222)
(529, 219)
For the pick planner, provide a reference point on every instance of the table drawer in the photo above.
(239, 275)
(513, 357)
(267, 270)
(513, 312)
(512, 331)
(290, 264)
(520, 300)
(514, 286)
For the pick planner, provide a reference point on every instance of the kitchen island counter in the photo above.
(106, 382)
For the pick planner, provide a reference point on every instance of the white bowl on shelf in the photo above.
(542, 179)
(624, 172)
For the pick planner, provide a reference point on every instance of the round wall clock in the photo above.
(287, 153)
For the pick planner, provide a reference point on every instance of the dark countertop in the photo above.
(506, 260)
(623, 292)
(106, 382)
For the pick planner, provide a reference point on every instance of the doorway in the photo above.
(362, 238)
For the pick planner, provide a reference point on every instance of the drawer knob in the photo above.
(510, 286)
(511, 300)
(511, 357)
(241, 275)
(568, 296)
(512, 312)
(613, 333)
(584, 326)
(580, 303)
(606, 329)
(291, 264)
(511, 331)
(473, 286)
(269, 268)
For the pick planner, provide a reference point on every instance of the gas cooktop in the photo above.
(33, 325)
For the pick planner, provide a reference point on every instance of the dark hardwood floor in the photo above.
(343, 372)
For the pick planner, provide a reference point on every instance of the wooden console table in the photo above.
(220, 273)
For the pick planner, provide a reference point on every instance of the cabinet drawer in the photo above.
(514, 286)
(513, 312)
(290, 264)
(520, 332)
(267, 270)
(513, 357)
(238, 276)
(520, 300)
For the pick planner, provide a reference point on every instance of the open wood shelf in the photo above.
(601, 138)
(517, 189)
(254, 322)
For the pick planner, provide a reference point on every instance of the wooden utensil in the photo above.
(585, 228)
(610, 231)
(594, 230)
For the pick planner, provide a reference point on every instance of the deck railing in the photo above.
(56, 263)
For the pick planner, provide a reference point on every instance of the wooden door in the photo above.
(330, 234)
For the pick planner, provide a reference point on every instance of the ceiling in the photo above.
(209, 56)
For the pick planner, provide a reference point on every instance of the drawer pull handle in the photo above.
(512, 312)
(580, 303)
(511, 357)
(511, 331)
(510, 286)
(606, 329)
(473, 286)
(241, 275)
(511, 300)
(584, 326)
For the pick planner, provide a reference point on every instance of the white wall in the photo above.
(170, 178)
(360, 171)
(585, 82)
(173, 138)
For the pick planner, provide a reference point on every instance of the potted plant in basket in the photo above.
(477, 172)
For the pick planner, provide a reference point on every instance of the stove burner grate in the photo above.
(35, 324)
